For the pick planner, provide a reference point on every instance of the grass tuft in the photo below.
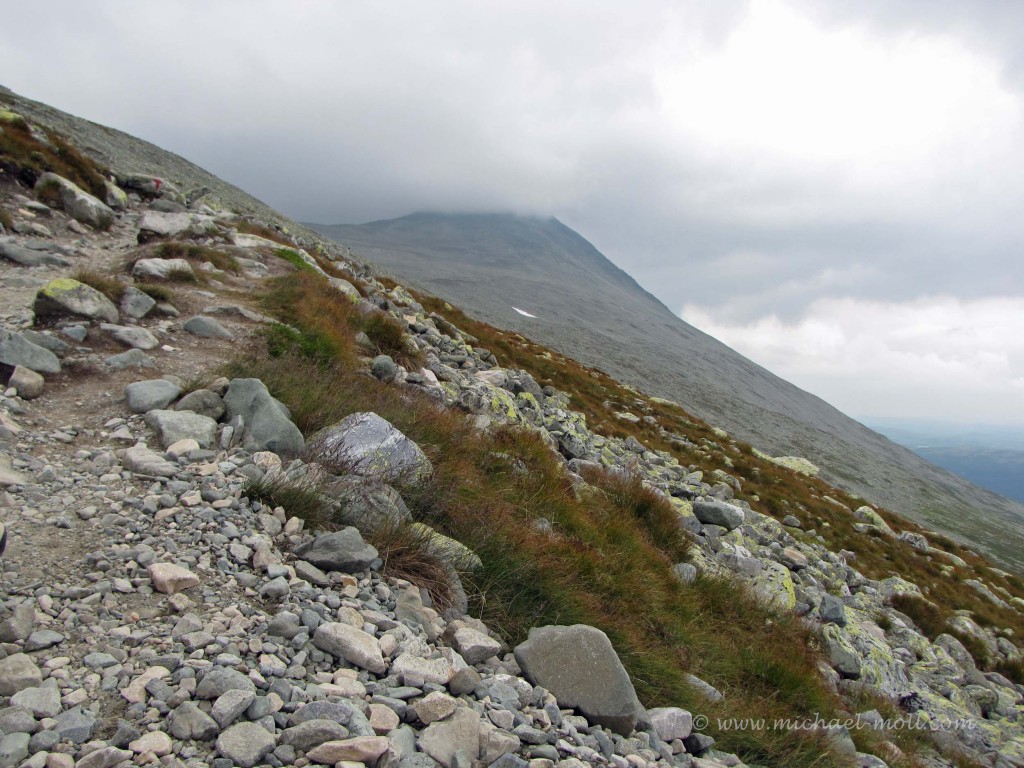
(109, 286)
(26, 157)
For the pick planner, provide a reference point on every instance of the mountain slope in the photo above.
(491, 264)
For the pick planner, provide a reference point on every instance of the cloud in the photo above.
(936, 358)
(747, 157)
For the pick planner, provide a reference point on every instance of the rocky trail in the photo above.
(151, 612)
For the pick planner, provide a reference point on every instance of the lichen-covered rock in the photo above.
(65, 297)
(368, 445)
(797, 464)
(75, 201)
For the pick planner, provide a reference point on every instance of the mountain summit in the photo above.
(499, 266)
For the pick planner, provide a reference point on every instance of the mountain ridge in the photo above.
(488, 263)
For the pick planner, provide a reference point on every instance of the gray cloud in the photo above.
(736, 171)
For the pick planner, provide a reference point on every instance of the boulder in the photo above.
(797, 464)
(444, 739)
(16, 350)
(160, 225)
(136, 304)
(27, 383)
(160, 269)
(172, 426)
(351, 644)
(579, 666)
(366, 503)
(75, 201)
(65, 297)
(205, 402)
(206, 328)
(29, 257)
(265, 424)
(133, 358)
(142, 461)
(152, 187)
(368, 445)
(720, 513)
(145, 396)
(18, 672)
(342, 550)
(245, 744)
(131, 336)
(832, 611)
(671, 723)
(169, 578)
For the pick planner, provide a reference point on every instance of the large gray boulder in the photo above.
(65, 297)
(157, 224)
(17, 350)
(342, 550)
(76, 202)
(172, 426)
(145, 396)
(579, 666)
(131, 335)
(719, 513)
(368, 445)
(160, 269)
(266, 425)
(28, 257)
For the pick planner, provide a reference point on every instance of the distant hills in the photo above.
(989, 456)
(497, 266)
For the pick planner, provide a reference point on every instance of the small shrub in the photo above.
(109, 286)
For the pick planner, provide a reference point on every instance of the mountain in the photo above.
(495, 264)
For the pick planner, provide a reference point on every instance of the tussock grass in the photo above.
(27, 158)
(108, 285)
(604, 561)
(298, 499)
(260, 230)
(770, 489)
(198, 253)
(5, 220)
(156, 292)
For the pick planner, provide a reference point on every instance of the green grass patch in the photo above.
(293, 258)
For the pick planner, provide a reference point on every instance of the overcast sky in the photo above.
(834, 189)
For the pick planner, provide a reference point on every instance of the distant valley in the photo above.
(989, 456)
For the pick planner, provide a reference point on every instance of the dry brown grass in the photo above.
(605, 560)
(108, 285)
(26, 158)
